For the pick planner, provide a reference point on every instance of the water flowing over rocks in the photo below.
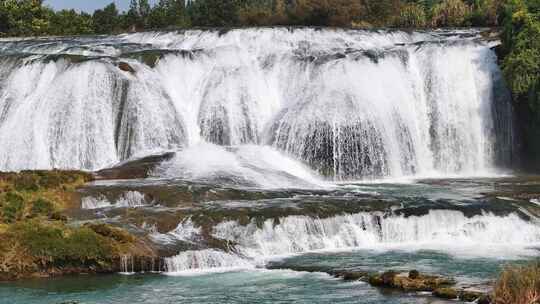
(348, 103)
(238, 150)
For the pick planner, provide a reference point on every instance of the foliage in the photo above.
(518, 285)
(451, 13)
(12, 207)
(37, 193)
(57, 244)
(521, 68)
(42, 206)
(412, 15)
(105, 20)
(35, 235)
(32, 18)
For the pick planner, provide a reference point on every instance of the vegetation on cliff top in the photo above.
(33, 18)
(35, 238)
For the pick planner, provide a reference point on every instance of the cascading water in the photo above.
(350, 104)
(482, 235)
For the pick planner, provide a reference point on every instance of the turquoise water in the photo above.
(276, 286)
(260, 285)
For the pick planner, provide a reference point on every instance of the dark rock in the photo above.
(351, 275)
(57, 216)
(469, 296)
(414, 274)
(124, 66)
(484, 299)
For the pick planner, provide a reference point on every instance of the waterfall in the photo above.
(129, 199)
(348, 103)
(446, 230)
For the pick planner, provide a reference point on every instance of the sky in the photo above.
(87, 5)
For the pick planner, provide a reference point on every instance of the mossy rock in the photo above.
(110, 232)
(414, 274)
(384, 279)
(59, 245)
(470, 296)
(419, 282)
(446, 293)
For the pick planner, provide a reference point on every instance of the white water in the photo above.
(247, 165)
(129, 199)
(484, 235)
(314, 95)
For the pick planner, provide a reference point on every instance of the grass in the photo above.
(518, 285)
(35, 236)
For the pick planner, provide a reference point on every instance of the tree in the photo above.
(144, 13)
(132, 18)
(214, 12)
(106, 20)
(450, 13)
(168, 13)
(69, 22)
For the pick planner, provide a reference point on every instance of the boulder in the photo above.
(446, 293)
(418, 282)
(124, 66)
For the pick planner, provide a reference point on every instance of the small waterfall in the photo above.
(127, 265)
(449, 231)
(205, 260)
(129, 199)
(349, 103)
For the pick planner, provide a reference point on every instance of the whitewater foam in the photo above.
(350, 104)
(485, 235)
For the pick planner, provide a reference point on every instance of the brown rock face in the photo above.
(124, 66)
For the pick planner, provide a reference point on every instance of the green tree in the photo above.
(214, 12)
(132, 18)
(69, 22)
(521, 67)
(106, 20)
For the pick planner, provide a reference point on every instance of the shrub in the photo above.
(42, 207)
(412, 15)
(518, 285)
(12, 207)
(522, 65)
(26, 182)
(451, 13)
(486, 12)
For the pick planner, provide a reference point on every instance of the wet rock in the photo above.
(470, 296)
(384, 279)
(350, 275)
(414, 274)
(124, 66)
(484, 299)
(450, 293)
(446, 293)
(419, 283)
